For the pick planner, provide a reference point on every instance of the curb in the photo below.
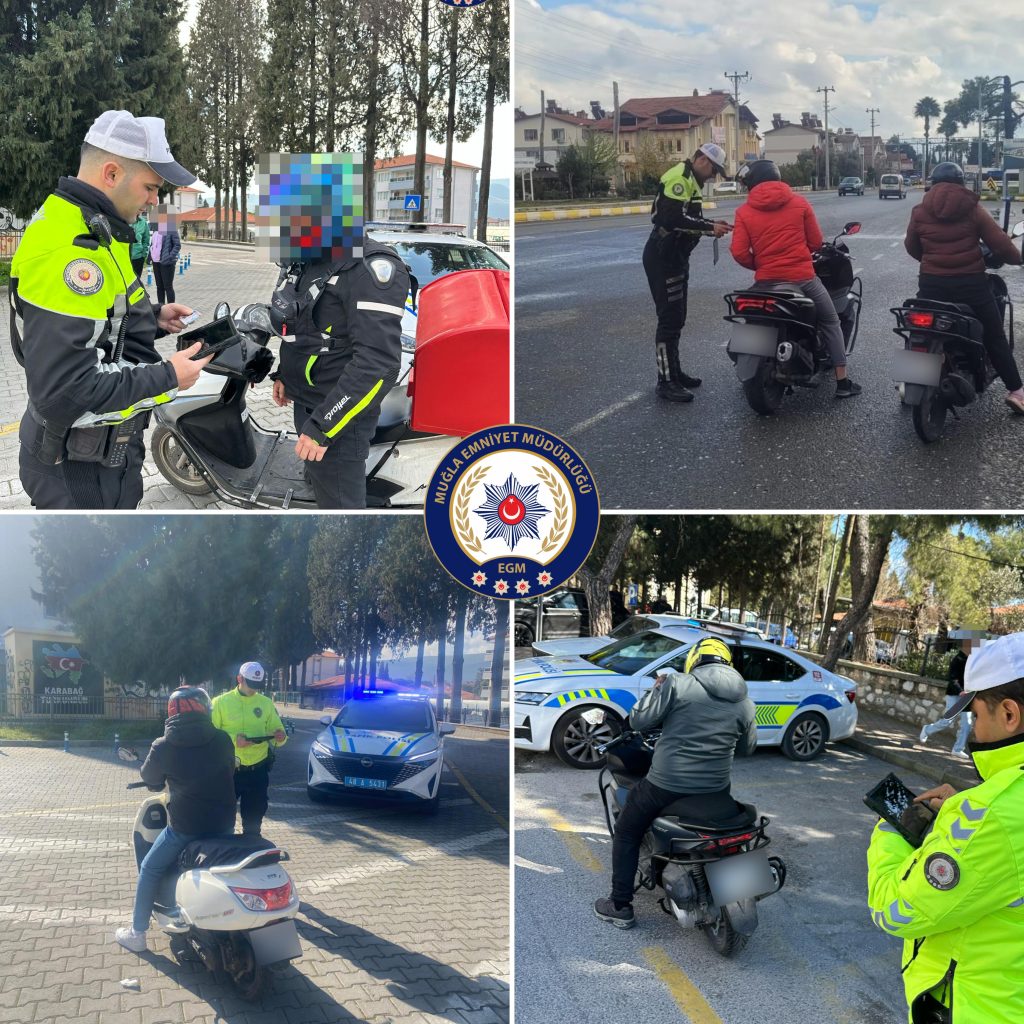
(957, 779)
(72, 744)
(534, 216)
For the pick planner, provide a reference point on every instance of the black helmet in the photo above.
(188, 698)
(947, 171)
(756, 172)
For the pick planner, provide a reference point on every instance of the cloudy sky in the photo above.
(886, 55)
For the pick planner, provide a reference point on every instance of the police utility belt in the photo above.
(106, 444)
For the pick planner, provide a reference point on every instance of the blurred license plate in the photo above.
(361, 783)
(753, 340)
(740, 877)
(910, 367)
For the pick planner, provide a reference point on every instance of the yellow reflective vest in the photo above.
(247, 716)
(958, 900)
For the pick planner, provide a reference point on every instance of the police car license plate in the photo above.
(360, 783)
(910, 367)
(753, 340)
(740, 877)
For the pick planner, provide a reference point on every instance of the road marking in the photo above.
(893, 245)
(879, 256)
(9, 428)
(604, 414)
(543, 869)
(686, 995)
(574, 842)
(464, 782)
(66, 810)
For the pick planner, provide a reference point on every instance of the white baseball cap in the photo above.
(715, 154)
(252, 672)
(995, 663)
(138, 138)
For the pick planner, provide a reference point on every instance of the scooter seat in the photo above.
(685, 815)
(212, 851)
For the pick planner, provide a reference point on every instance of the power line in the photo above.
(975, 558)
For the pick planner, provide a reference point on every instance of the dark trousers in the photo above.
(164, 274)
(47, 486)
(974, 289)
(339, 478)
(138, 265)
(251, 788)
(668, 276)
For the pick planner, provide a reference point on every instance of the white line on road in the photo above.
(604, 414)
(543, 869)
(879, 256)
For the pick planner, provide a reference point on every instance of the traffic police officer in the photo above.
(678, 225)
(957, 900)
(245, 712)
(706, 718)
(83, 327)
(341, 325)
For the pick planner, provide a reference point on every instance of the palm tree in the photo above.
(927, 107)
(947, 128)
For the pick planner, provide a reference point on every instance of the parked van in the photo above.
(891, 185)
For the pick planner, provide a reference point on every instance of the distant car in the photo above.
(380, 745)
(891, 185)
(570, 705)
(588, 644)
(565, 614)
(726, 186)
(851, 186)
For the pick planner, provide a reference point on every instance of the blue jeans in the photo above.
(161, 858)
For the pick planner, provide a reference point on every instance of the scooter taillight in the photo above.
(264, 899)
(730, 841)
(750, 304)
(919, 319)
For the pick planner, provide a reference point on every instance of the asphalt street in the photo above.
(585, 370)
(815, 956)
(404, 917)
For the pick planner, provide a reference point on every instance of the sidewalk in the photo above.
(897, 743)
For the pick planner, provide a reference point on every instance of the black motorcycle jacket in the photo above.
(197, 762)
(74, 294)
(342, 355)
(706, 717)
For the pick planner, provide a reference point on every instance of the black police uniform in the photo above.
(83, 328)
(678, 224)
(341, 355)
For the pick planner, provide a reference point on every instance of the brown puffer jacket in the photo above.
(945, 230)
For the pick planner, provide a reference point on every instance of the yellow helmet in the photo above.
(708, 649)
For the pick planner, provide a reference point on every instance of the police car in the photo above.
(571, 704)
(380, 744)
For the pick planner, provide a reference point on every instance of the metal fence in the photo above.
(14, 706)
(10, 239)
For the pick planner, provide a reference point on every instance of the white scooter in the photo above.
(236, 901)
(207, 441)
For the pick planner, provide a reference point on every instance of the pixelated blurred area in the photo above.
(311, 207)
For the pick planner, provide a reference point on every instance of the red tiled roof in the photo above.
(408, 161)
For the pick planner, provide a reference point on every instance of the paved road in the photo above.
(404, 918)
(585, 370)
(815, 956)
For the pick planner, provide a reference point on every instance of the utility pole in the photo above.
(541, 161)
(826, 89)
(736, 78)
(620, 171)
(872, 111)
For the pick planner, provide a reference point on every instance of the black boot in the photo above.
(687, 381)
(621, 917)
(845, 388)
(670, 391)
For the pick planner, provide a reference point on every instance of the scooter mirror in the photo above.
(1018, 229)
(852, 228)
(222, 309)
(127, 754)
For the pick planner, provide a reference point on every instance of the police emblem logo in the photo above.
(512, 511)
(941, 871)
(382, 269)
(677, 189)
(258, 712)
(83, 276)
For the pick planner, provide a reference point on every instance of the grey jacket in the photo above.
(706, 717)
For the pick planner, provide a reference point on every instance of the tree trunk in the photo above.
(595, 584)
(485, 169)
(422, 105)
(453, 54)
(439, 673)
(501, 609)
(865, 569)
(458, 659)
(421, 645)
(833, 590)
(372, 127)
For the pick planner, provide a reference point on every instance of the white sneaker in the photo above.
(131, 939)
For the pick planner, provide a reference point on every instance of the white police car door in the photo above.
(776, 684)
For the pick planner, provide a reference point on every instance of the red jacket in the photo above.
(775, 233)
(945, 229)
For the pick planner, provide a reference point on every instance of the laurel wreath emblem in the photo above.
(462, 525)
(560, 523)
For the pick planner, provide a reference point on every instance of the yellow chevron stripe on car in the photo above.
(774, 714)
(565, 675)
(400, 746)
(571, 695)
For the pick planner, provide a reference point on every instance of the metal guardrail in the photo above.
(10, 239)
